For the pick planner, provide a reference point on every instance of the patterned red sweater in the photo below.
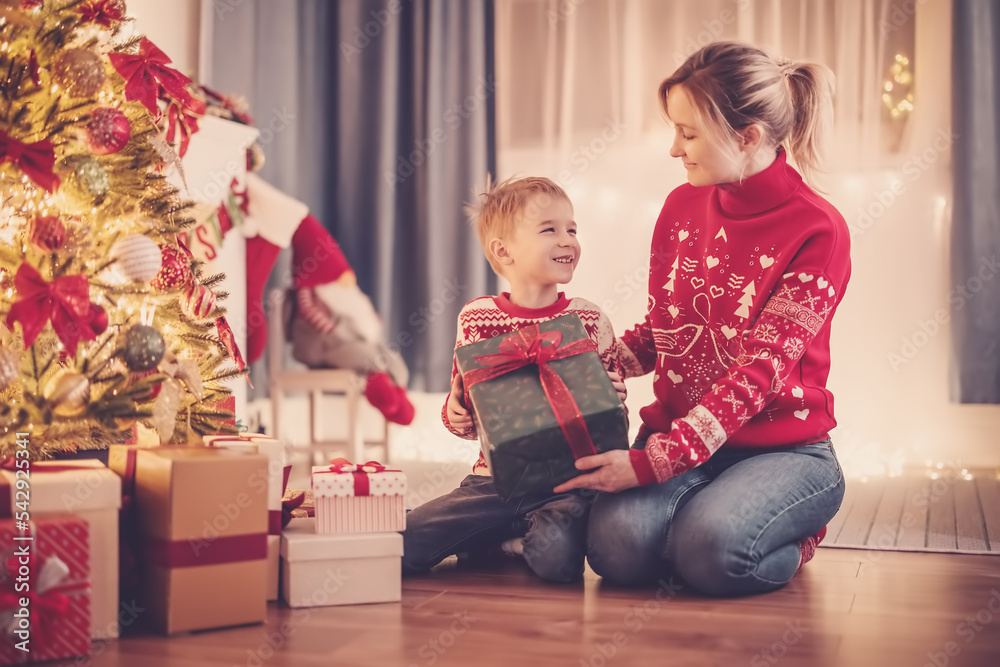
(490, 316)
(744, 280)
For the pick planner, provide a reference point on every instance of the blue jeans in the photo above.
(728, 527)
(473, 518)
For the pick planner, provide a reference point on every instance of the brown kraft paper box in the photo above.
(201, 535)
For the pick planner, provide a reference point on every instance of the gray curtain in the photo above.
(379, 114)
(975, 294)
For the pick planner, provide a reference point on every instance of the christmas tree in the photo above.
(106, 320)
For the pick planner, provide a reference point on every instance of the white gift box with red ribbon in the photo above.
(279, 466)
(328, 570)
(358, 498)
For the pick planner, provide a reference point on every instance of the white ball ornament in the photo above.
(10, 367)
(69, 392)
(137, 257)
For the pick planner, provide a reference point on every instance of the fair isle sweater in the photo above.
(744, 281)
(490, 316)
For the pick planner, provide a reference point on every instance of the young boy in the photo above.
(527, 231)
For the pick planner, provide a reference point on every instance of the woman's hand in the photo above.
(618, 384)
(458, 415)
(613, 473)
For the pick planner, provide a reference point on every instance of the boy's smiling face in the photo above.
(543, 250)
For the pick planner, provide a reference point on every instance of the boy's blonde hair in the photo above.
(501, 206)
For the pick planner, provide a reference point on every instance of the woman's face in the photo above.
(706, 162)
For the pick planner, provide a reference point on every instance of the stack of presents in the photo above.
(182, 538)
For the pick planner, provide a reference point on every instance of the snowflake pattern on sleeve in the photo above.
(790, 320)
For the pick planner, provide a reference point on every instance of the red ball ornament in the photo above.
(97, 318)
(154, 390)
(48, 232)
(175, 269)
(108, 131)
(198, 302)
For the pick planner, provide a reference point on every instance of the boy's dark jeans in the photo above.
(473, 518)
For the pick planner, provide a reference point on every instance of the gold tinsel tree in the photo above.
(106, 321)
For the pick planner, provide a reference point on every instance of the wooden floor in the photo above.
(851, 608)
(926, 509)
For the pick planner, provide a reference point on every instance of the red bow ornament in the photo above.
(526, 347)
(35, 160)
(183, 118)
(65, 301)
(147, 77)
(104, 12)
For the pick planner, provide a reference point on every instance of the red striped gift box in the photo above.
(358, 498)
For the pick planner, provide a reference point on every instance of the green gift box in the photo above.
(518, 383)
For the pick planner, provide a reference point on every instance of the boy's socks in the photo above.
(808, 545)
(513, 547)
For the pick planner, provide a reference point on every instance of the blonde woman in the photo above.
(733, 476)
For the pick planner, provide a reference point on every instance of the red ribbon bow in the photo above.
(147, 77)
(45, 607)
(526, 347)
(362, 486)
(66, 301)
(183, 117)
(104, 12)
(36, 160)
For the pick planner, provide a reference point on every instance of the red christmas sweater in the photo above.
(744, 280)
(490, 316)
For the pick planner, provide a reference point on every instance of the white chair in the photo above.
(315, 382)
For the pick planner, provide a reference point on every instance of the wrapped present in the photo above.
(320, 570)
(201, 534)
(85, 488)
(541, 398)
(44, 589)
(365, 498)
(279, 466)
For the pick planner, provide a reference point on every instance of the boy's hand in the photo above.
(458, 415)
(618, 384)
(611, 472)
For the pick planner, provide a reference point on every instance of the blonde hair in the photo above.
(501, 206)
(733, 86)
